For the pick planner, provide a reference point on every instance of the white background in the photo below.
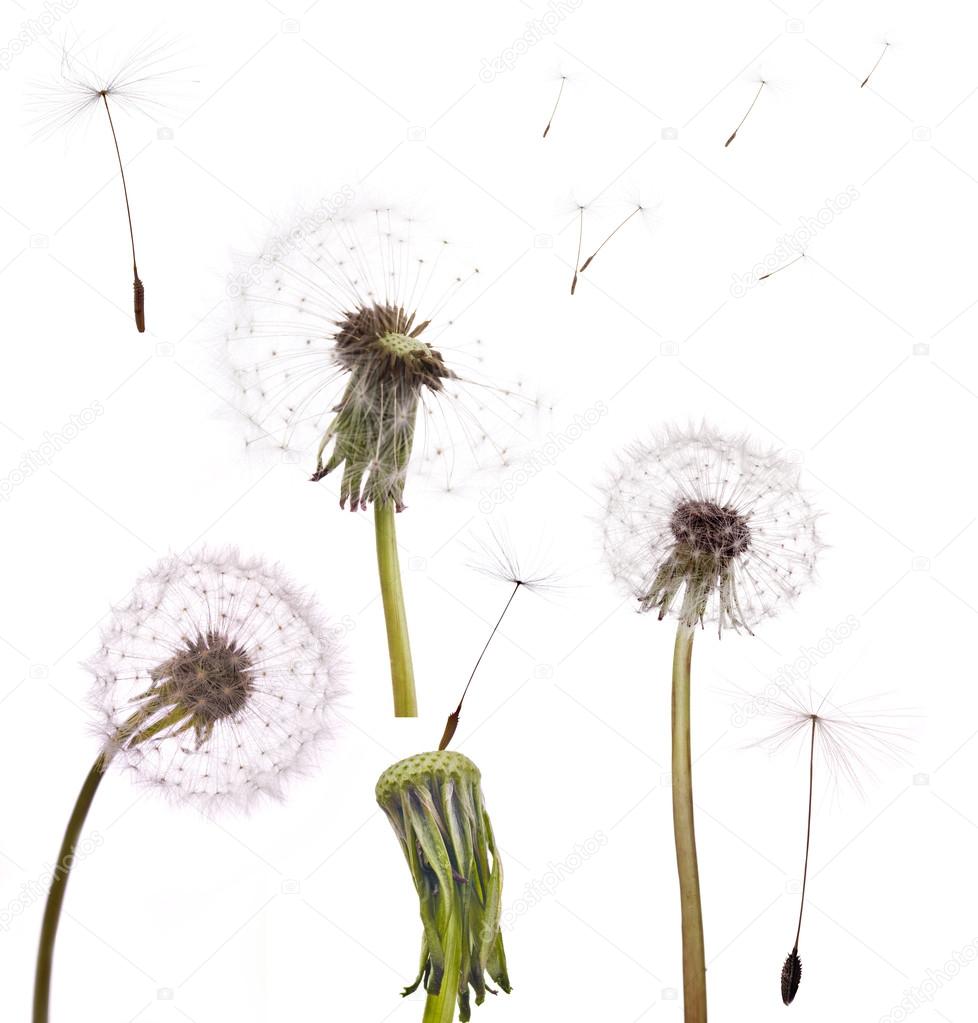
(859, 360)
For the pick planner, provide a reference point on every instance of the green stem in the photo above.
(59, 883)
(440, 1008)
(694, 959)
(395, 615)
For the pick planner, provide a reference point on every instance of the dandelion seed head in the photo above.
(337, 348)
(709, 528)
(216, 679)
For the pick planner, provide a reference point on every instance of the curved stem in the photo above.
(694, 959)
(59, 883)
(395, 615)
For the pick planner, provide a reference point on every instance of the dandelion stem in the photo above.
(694, 959)
(395, 615)
(139, 294)
(59, 883)
(440, 1007)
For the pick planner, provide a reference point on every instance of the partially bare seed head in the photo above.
(709, 528)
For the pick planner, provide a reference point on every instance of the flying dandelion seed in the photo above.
(848, 738)
(791, 262)
(744, 118)
(862, 84)
(560, 92)
(498, 560)
(334, 349)
(214, 683)
(707, 528)
(580, 241)
(133, 87)
(640, 209)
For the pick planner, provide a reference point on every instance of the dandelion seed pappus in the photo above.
(137, 86)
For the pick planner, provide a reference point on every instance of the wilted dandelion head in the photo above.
(434, 803)
(215, 680)
(709, 528)
(335, 343)
(138, 82)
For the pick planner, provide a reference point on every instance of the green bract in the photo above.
(434, 802)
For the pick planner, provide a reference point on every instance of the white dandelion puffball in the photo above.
(338, 351)
(709, 528)
(216, 679)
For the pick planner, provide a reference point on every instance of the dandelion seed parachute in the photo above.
(864, 82)
(495, 555)
(81, 88)
(215, 681)
(140, 84)
(639, 209)
(847, 738)
(499, 560)
(757, 96)
(553, 113)
(852, 736)
(718, 520)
